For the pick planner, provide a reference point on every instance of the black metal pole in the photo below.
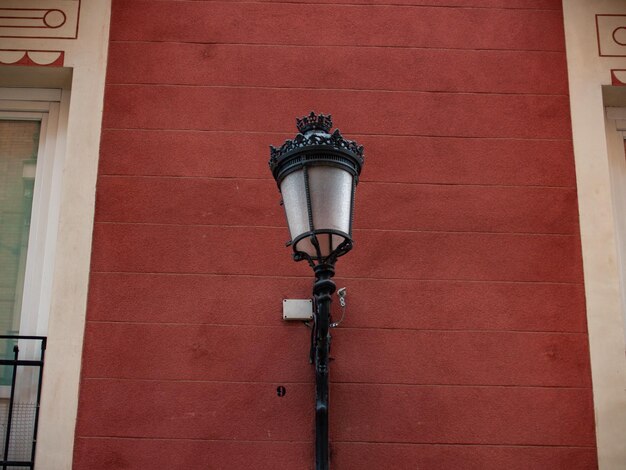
(322, 291)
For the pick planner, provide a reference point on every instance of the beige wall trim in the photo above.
(598, 186)
(81, 80)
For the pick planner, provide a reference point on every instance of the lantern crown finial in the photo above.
(314, 121)
(286, 158)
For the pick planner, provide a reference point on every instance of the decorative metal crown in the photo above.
(335, 140)
(305, 149)
(314, 121)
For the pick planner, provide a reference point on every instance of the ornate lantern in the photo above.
(317, 173)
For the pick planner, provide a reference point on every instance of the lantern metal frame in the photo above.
(316, 146)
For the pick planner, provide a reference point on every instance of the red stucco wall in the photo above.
(465, 345)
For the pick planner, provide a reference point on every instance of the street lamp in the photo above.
(317, 173)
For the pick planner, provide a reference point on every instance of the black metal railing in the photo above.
(22, 408)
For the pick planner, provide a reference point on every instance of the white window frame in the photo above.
(39, 104)
(616, 139)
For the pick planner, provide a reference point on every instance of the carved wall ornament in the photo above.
(25, 57)
(611, 31)
(42, 19)
(618, 77)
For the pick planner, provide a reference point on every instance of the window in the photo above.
(19, 141)
(616, 143)
(30, 172)
(30, 178)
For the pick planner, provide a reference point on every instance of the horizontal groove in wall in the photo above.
(334, 382)
(373, 278)
(362, 230)
(274, 442)
(270, 44)
(385, 443)
(361, 180)
(558, 52)
(352, 135)
(360, 3)
(358, 90)
(346, 328)
(366, 90)
(339, 276)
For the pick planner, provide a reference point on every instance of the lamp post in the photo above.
(317, 173)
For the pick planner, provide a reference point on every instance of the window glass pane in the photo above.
(18, 153)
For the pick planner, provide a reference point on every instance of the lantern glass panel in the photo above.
(331, 199)
(293, 191)
(331, 202)
(324, 240)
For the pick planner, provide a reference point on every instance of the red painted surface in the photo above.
(251, 411)
(465, 344)
(172, 453)
(426, 305)
(338, 25)
(239, 110)
(515, 4)
(273, 66)
(210, 352)
(392, 205)
(197, 249)
(444, 160)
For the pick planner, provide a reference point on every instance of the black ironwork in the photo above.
(14, 364)
(322, 293)
(315, 145)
